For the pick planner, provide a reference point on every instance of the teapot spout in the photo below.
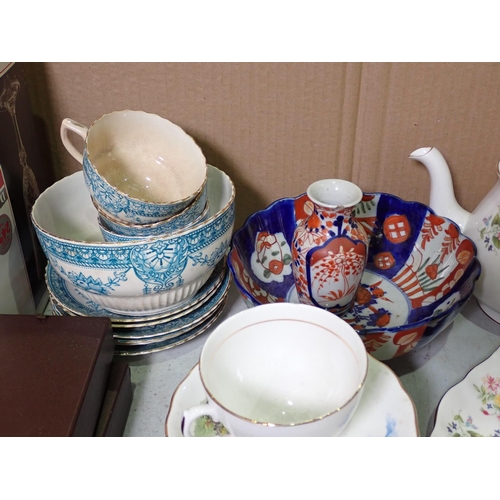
(442, 198)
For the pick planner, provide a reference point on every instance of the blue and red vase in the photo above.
(329, 248)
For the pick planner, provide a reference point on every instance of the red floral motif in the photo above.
(406, 340)
(276, 266)
(270, 254)
(249, 284)
(374, 341)
(433, 225)
(363, 296)
(450, 242)
(432, 271)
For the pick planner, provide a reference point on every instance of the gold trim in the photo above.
(125, 195)
(134, 321)
(160, 337)
(271, 424)
(202, 329)
(151, 225)
(138, 242)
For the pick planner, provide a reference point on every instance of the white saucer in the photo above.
(385, 408)
(472, 407)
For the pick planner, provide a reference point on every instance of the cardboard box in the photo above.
(277, 127)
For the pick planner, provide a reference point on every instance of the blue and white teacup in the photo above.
(191, 214)
(138, 166)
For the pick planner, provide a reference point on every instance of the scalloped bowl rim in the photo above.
(475, 264)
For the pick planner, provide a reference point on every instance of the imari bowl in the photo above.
(136, 277)
(421, 269)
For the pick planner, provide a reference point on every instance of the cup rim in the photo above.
(126, 195)
(150, 225)
(272, 424)
(111, 245)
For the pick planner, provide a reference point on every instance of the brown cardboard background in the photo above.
(277, 127)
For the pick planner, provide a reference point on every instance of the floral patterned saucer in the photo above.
(472, 407)
(69, 300)
(385, 408)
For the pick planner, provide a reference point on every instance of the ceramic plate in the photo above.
(68, 299)
(164, 331)
(385, 408)
(472, 407)
(187, 335)
(167, 329)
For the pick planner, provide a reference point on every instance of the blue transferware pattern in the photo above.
(185, 336)
(193, 213)
(124, 207)
(74, 302)
(114, 237)
(421, 270)
(169, 328)
(158, 263)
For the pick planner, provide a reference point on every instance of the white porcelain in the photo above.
(385, 408)
(139, 167)
(482, 226)
(70, 301)
(186, 335)
(472, 407)
(290, 370)
(133, 277)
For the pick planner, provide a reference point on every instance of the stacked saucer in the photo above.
(137, 335)
(139, 235)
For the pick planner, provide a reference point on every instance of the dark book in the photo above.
(55, 372)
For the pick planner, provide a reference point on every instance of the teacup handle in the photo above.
(69, 124)
(195, 412)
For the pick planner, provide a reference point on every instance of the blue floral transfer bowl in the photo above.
(110, 234)
(421, 269)
(132, 277)
(193, 213)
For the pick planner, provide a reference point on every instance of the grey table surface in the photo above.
(426, 373)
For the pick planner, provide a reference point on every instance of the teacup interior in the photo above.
(146, 156)
(283, 372)
(66, 210)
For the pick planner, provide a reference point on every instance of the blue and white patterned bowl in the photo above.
(421, 269)
(111, 235)
(139, 167)
(191, 214)
(133, 277)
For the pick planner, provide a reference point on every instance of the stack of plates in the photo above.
(137, 335)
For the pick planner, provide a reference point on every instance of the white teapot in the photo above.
(482, 226)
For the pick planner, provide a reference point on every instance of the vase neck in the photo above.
(329, 213)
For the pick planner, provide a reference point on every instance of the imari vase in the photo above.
(329, 249)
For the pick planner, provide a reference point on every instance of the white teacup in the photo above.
(281, 370)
